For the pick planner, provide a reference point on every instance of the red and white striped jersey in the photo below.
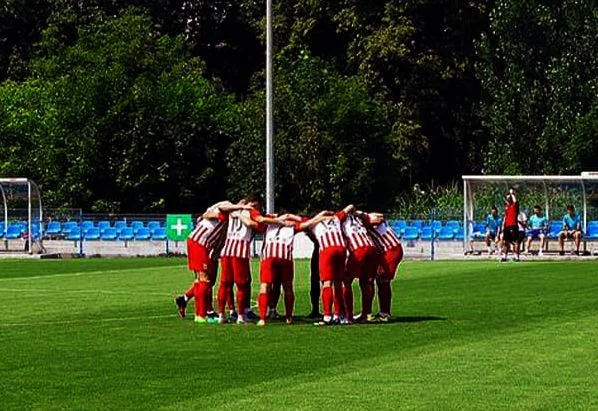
(356, 233)
(238, 236)
(330, 233)
(278, 242)
(206, 231)
(388, 237)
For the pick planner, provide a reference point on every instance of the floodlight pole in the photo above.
(269, 117)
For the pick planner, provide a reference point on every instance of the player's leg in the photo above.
(314, 280)
(266, 275)
(562, 236)
(226, 285)
(542, 238)
(367, 275)
(242, 278)
(488, 240)
(339, 272)
(287, 276)
(326, 270)
(212, 276)
(577, 238)
(351, 272)
(390, 263)
(274, 297)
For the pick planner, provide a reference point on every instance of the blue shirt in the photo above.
(537, 223)
(493, 224)
(571, 222)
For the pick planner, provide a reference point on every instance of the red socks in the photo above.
(201, 298)
(190, 293)
(224, 292)
(367, 297)
(384, 296)
(327, 300)
(262, 303)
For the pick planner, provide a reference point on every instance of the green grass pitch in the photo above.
(103, 334)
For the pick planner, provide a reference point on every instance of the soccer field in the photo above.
(103, 334)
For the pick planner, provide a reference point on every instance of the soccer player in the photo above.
(571, 230)
(327, 229)
(277, 266)
(202, 253)
(362, 264)
(521, 226)
(493, 224)
(510, 228)
(389, 262)
(234, 258)
(537, 225)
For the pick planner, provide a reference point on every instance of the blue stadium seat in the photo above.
(446, 233)
(436, 225)
(54, 229)
(13, 232)
(479, 231)
(411, 233)
(126, 234)
(75, 234)
(159, 234)
(92, 233)
(143, 234)
(427, 233)
(136, 225)
(592, 231)
(109, 234)
(119, 225)
(399, 226)
(556, 226)
(103, 225)
(459, 236)
(68, 226)
(152, 225)
(417, 224)
(454, 225)
(86, 225)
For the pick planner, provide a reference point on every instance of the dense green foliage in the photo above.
(116, 105)
(103, 334)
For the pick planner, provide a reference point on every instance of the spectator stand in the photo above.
(552, 193)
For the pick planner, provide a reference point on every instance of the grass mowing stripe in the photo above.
(87, 321)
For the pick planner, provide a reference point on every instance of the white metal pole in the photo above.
(465, 219)
(30, 236)
(269, 117)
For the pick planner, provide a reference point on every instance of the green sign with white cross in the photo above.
(178, 226)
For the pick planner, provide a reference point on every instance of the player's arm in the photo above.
(230, 207)
(312, 222)
(291, 217)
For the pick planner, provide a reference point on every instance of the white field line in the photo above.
(87, 321)
(81, 273)
(87, 291)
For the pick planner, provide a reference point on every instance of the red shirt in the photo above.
(511, 212)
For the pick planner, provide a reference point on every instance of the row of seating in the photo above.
(554, 228)
(88, 230)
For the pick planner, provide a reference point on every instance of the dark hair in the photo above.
(537, 207)
(251, 198)
(570, 207)
(494, 209)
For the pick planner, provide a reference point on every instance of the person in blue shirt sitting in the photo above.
(536, 229)
(493, 226)
(571, 230)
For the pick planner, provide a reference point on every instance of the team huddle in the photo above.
(349, 244)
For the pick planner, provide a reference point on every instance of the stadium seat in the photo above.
(399, 226)
(417, 224)
(92, 233)
(103, 225)
(54, 229)
(109, 234)
(436, 225)
(143, 234)
(136, 225)
(479, 231)
(411, 233)
(119, 225)
(68, 226)
(126, 234)
(592, 231)
(454, 225)
(13, 232)
(556, 226)
(85, 225)
(159, 234)
(152, 225)
(446, 233)
(427, 233)
(459, 235)
(76, 234)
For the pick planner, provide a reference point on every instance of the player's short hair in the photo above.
(537, 207)
(494, 209)
(570, 207)
(253, 198)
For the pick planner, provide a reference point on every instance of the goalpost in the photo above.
(553, 193)
(22, 206)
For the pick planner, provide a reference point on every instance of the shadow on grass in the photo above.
(407, 319)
